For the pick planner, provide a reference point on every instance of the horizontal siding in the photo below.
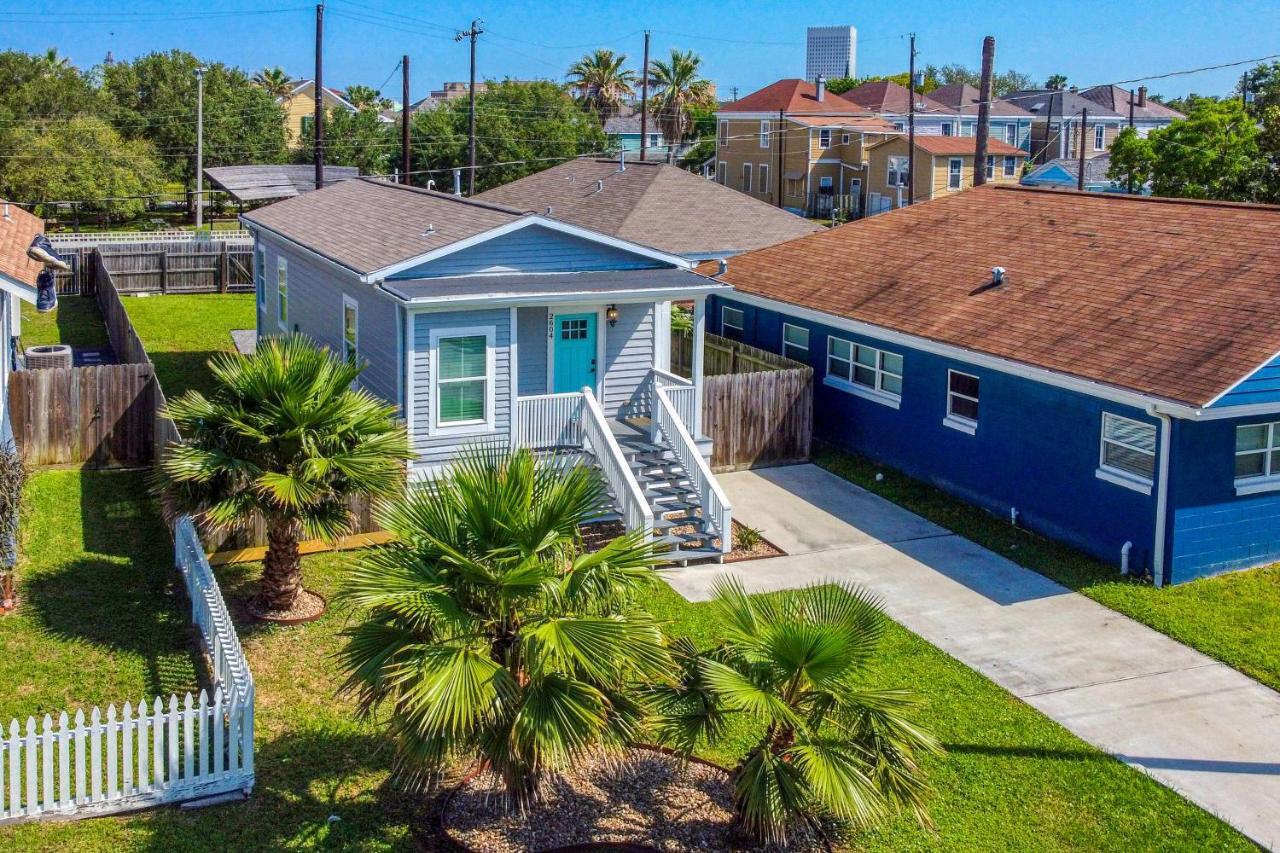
(531, 337)
(433, 450)
(531, 249)
(628, 357)
(1262, 386)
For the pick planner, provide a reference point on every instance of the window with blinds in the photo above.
(462, 380)
(1128, 446)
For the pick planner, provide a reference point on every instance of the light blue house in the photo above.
(1099, 368)
(484, 323)
(1063, 174)
(624, 134)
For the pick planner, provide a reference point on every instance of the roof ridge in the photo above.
(1148, 199)
(488, 205)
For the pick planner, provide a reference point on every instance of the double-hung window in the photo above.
(260, 273)
(1010, 166)
(844, 139)
(282, 292)
(462, 366)
(721, 171)
(962, 401)
(746, 177)
(764, 133)
(1128, 453)
(898, 171)
(350, 331)
(795, 342)
(732, 322)
(948, 129)
(865, 371)
(1011, 134)
(1099, 137)
(991, 166)
(955, 171)
(1257, 458)
(724, 133)
(824, 138)
(762, 182)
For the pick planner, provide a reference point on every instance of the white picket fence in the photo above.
(142, 756)
(177, 235)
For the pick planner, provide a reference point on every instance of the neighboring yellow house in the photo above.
(795, 145)
(300, 109)
(944, 164)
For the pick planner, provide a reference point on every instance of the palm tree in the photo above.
(831, 746)
(602, 83)
(680, 87)
(490, 633)
(51, 63)
(276, 83)
(284, 436)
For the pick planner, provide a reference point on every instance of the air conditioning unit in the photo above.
(51, 355)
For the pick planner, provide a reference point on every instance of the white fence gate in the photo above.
(152, 754)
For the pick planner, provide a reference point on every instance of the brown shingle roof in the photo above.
(884, 96)
(1166, 297)
(653, 204)
(1117, 100)
(966, 99)
(17, 230)
(366, 224)
(792, 96)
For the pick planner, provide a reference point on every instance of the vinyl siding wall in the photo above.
(531, 339)
(532, 249)
(628, 356)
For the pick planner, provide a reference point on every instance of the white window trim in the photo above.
(724, 133)
(488, 424)
(959, 174)
(282, 293)
(904, 163)
(824, 132)
(762, 178)
(844, 138)
(1099, 144)
(764, 133)
(947, 128)
(991, 167)
(1010, 166)
(1119, 476)
(960, 422)
(724, 319)
(786, 343)
(1269, 480)
(876, 394)
(746, 177)
(260, 273)
(1011, 134)
(722, 173)
(348, 302)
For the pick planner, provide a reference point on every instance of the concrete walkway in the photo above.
(1194, 724)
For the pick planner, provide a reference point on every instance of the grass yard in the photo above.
(181, 332)
(1234, 617)
(1012, 779)
(77, 322)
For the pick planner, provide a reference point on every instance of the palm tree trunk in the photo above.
(282, 567)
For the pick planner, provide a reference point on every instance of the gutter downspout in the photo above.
(1162, 496)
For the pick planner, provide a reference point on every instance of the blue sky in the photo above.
(744, 44)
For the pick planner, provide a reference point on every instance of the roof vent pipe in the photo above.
(457, 182)
(724, 266)
(1142, 96)
(821, 86)
(622, 160)
(600, 186)
(997, 276)
(431, 185)
(7, 215)
(549, 209)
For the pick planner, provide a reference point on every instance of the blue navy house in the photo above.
(1099, 368)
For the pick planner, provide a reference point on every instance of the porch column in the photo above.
(699, 329)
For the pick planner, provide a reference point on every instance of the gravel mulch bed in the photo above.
(763, 549)
(306, 607)
(643, 797)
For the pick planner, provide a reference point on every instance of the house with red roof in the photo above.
(796, 145)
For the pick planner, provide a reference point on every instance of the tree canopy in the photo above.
(359, 138)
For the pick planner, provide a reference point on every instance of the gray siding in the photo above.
(628, 356)
(433, 450)
(531, 335)
(531, 249)
(315, 308)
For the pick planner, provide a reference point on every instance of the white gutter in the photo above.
(555, 298)
(1162, 495)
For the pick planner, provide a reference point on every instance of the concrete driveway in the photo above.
(1196, 725)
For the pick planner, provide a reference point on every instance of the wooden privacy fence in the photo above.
(159, 752)
(197, 266)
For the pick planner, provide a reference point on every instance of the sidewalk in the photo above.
(1195, 725)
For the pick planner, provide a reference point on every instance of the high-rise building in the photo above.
(831, 52)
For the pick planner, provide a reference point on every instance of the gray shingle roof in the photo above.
(1117, 100)
(366, 224)
(1061, 102)
(966, 98)
(655, 205)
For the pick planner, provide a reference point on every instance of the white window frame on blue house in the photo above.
(1109, 468)
(282, 293)
(260, 273)
(1269, 479)
(1011, 134)
(793, 348)
(470, 427)
(961, 422)
(725, 325)
(948, 129)
(350, 332)
(863, 371)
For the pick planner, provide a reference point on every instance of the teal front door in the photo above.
(574, 351)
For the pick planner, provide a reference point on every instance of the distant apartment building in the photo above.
(831, 52)
(1064, 118)
(949, 111)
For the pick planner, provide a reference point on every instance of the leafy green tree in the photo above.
(521, 128)
(154, 97)
(680, 88)
(360, 139)
(1213, 153)
(794, 664)
(1269, 147)
(1264, 82)
(33, 88)
(274, 81)
(285, 436)
(83, 158)
(360, 96)
(1002, 82)
(1133, 159)
(602, 83)
(487, 632)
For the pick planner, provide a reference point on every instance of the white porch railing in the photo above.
(148, 755)
(549, 420)
(599, 438)
(682, 394)
(716, 510)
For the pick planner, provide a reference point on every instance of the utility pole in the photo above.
(1244, 89)
(782, 152)
(984, 113)
(404, 121)
(911, 124)
(1084, 123)
(472, 34)
(644, 100)
(199, 146)
(734, 90)
(317, 120)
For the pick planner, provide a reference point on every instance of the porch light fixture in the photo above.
(611, 314)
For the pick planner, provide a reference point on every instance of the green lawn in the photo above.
(77, 322)
(182, 332)
(1012, 779)
(1234, 618)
